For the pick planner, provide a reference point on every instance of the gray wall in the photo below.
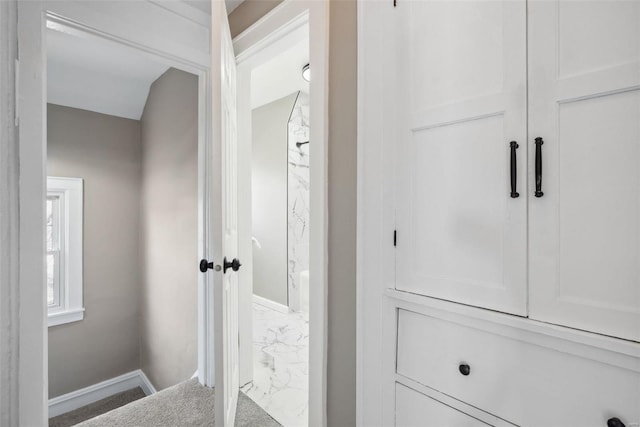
(269, 172)
(341, 336)
(341, 363)
(106, 152)
(169, 229)
(140, 239)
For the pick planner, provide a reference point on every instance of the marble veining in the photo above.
(298, 198)
(280, 365)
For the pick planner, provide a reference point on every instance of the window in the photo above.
(64, 250)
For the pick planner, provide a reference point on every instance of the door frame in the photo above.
(95, 21)
(283, 21)
(247, 60)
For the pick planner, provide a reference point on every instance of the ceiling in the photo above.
(280, 76)
(101, 76)
(98, 75)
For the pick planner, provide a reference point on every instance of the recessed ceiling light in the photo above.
(306, 73)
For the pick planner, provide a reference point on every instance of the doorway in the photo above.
(279, 168)
(292, 368)
(122, 218)
(160, 71)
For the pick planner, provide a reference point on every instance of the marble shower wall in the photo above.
(298, 198)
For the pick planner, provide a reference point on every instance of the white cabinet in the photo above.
(584, 101)
(538, 294)
(463, 93)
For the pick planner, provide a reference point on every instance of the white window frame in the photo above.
(58, 234)
(70, 194)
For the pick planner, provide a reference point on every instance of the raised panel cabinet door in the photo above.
(460, 102)
(584, 104)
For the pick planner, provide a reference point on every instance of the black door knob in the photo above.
(205, 265)
(234, 265)
(464, 369)
(614, 422)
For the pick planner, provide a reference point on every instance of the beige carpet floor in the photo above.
(96, 408)
(186, 404)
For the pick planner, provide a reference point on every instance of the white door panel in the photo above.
(594, 35)
(461, 73)
(450, 206)
(224, 140)
(585, 104)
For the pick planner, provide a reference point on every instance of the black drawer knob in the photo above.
(465, 370)
(614, 422)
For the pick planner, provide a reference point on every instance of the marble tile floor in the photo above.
(280, 365)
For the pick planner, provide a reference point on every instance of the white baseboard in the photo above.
(270, 304)
(79, 398)
(145, 384)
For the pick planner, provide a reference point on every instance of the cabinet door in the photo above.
(461, 98)
(584, 95)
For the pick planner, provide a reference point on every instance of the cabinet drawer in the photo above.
(414, 409)
(523, 383)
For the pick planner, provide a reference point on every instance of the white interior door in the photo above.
(585, 105)
(225, 217)
(461, 100)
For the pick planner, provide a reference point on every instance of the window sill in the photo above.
(68, 316)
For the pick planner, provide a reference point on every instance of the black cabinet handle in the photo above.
(464, 369)
(539, 143)
(514, 170)
(615, 422)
